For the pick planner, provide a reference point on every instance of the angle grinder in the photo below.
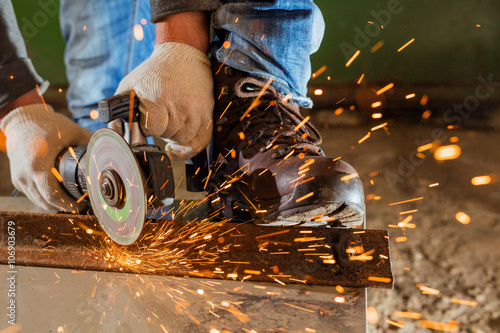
(122, 176)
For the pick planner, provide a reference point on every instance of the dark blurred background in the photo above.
(454, 43)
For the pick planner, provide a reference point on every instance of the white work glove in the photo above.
(175, 87)
(35, 137)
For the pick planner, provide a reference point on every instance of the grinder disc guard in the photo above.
(115, 186)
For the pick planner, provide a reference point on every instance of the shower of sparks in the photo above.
(355, 55)
(404, 46)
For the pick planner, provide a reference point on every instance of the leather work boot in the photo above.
(267, 165)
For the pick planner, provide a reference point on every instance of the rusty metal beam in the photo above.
(316, 256)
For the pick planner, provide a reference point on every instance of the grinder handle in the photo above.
(118, 107)
(124, 106)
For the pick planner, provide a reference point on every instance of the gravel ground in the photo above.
(459, 262)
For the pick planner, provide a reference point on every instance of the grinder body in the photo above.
(121, 177)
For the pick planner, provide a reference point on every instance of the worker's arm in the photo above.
(175, 84)
(18, 78)
(34, 133)
(163, 8)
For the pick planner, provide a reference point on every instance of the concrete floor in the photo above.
(457, 260)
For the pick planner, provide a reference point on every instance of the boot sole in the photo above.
(333, 214)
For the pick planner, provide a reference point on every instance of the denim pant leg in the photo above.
(270, 39)
(101, 49)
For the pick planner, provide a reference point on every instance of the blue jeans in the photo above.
(99, 56)
(266, 39)
(270, 39)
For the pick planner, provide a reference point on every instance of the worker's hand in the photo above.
(175, 87)
(35, 136)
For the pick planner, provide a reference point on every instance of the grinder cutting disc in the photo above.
(115, 186)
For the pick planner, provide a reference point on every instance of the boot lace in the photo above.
(273, 121)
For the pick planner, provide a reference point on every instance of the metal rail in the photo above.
(314, 256)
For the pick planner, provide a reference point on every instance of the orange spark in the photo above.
(353, 58)
(306, 119)
(464, 302)
(305, 196)
(481, 180)
(405, 201)
(256, 101)
(349, 177)
(402, 47)
(372, 315)
(361, 78)
(378, 126)
(318, 72)
(138, 32)
(364, 138)
(384, 89)
(377, 46)
(399, 323)
(452, 326)
(379, 279)
(411, 315)
(424, 100)
(298, 307)
(462, 218)
(56, 174)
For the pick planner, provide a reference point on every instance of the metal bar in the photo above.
(316, 256)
